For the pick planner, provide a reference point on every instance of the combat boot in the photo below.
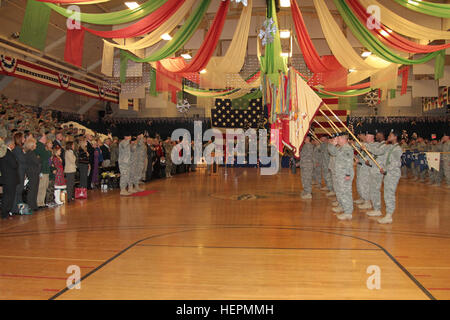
(386, 219)
(124, 192)
(344, 216)
(366, 205)
(138, 189)
(330, 194)
(306, 196)
(338, 209)
(131, 189)
(359, 201)
(374, 213)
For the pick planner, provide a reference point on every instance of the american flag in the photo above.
(223, 115)
(333, 104)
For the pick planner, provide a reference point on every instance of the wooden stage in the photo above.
(240, 236)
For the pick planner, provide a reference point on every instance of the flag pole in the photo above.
(354, 137)
(336, 128)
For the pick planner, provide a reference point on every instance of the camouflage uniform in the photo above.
(344, 169)
(168, 151)
(141, 153)
(435, 175)
(331, 167)
(3, 148)
(362, 178)
(134, 164)
(124, 163)
(393, 172)
(317, 159)
(325, 163)
(306, 166)
(446, 162)
(375, 177)
(421, 147)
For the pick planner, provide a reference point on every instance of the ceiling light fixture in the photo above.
(203, 71)
(132, 5)
(166, 36)
(365, 54)
(285, 34)
(186, 56)
(285, 3)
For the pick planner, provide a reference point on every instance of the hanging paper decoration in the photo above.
(183, 106)
(372, 98)
(35, 24)
(272, 63)
(267, 33)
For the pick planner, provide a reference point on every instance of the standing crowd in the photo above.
(43, 162)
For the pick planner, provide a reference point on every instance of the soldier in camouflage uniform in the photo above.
(3, 148)
(359, 165)
(433, 174)
(306, 167)
(135, 166)
(363, 179)
(393, 173)
(331, 167)
(378, 150)
(344, 175)
(124, 165)
(317, 159)
(325, 163)
(168, 146)
(421, 147)
(141, 153)
(446, 158)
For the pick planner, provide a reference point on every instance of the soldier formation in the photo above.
(333, 160)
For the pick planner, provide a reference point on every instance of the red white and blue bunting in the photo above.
(14, 67)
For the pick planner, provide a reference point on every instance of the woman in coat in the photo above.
(32, 171)
(83, 163)
(19, 140)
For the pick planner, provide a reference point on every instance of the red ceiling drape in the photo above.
(145, 25)
(206, 50)
(73, 52)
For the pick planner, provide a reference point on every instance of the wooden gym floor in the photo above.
(240, 236)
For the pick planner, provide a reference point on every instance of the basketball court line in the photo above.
(399, 265)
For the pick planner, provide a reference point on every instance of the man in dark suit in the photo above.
(9, 169)
(106, 153)
(90, 150)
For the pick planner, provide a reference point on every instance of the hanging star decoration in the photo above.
(371, 98)
(267, 34)
(183, 106)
